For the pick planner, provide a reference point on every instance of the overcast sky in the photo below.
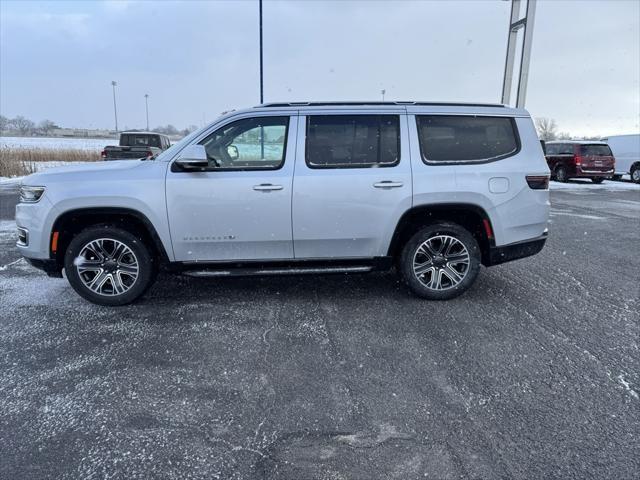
(196, 59)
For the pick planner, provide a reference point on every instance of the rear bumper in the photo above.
(48, 266)
(514, 251)
(598, 173)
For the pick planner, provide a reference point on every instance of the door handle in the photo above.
(267, 187)
(388, 184)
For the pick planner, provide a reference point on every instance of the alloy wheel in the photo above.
(107, 267)
(441, 262)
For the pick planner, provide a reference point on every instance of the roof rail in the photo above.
(374, 103)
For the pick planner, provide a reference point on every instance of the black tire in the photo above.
(635, 174)
(561, 174)
(410, 253)
(146, 267)
(597, 180)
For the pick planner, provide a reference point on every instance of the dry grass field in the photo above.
(16, 162)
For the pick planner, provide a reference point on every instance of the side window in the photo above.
(552, 149)
(446, 139)
(352, 141)
(566, 149)
(250, 144)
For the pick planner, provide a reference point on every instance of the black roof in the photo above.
(375, 103)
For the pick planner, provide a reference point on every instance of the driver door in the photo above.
(239, 207)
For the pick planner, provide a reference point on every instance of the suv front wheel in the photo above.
(108, 265)
(440, 261)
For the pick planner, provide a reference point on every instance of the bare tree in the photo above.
(563, 136)
(547, 128)
(23, 125)
(46, 126)
(4, 123)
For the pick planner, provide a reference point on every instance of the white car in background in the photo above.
(626, 150)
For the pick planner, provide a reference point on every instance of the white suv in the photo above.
(435, 189)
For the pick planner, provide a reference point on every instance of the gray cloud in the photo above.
(198, 58)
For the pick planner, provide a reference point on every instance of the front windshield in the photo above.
(176, 147)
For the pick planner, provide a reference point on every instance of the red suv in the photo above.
(580, 159)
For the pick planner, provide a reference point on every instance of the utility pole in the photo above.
(383, 91)
(146, 102)
(515, 25)
(115, 109)
(261, 64)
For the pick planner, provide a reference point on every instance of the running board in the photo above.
(246, 272)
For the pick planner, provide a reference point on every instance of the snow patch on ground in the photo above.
(627, 387)
(588, 185)
(7, 226)
(31, 290)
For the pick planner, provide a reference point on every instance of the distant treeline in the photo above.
(22, 126)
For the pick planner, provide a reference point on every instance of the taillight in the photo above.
(577, 159)
(538, 182)
(103, 154)
(149, 154)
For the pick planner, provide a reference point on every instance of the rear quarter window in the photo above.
(595, 150)
(466, 139)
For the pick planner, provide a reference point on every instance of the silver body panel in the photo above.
(318, 213)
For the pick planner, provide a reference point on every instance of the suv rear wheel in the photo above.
(561, 174)
(440, 261)
(108, 265)
(635, 174)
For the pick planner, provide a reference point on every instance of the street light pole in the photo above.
(261, 64)
(115, 109)
(146, 102)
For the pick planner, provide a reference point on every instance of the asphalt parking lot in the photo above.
(534, 373)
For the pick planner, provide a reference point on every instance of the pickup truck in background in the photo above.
(134, 145)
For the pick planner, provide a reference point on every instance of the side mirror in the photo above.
(193, 157)
(233, 153)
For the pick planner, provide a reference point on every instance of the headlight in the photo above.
(30, 194)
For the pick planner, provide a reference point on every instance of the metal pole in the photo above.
(515, 25)
(261, 64)
(146, 101)
(511, 53)
(525, 59)
(383, 92)
(115, 109)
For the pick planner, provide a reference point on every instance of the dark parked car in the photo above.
(134, 145)
(580, 159)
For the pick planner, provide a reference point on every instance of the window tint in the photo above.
(596, 150)
(465, 138)
(553, 149)
(251, 143)
(352, 141)
(142, 141)
(565, 149)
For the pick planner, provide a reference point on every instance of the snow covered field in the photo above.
(62, 143)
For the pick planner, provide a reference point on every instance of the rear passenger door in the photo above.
(351, 184)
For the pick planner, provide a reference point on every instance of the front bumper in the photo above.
(514, 251)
